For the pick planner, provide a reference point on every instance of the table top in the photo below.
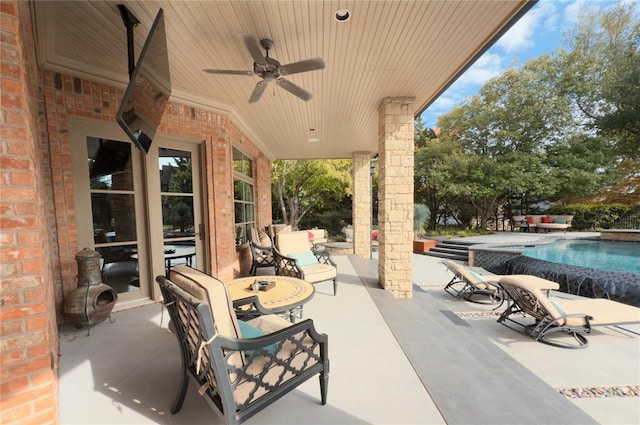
(179, 252)
(288, 292)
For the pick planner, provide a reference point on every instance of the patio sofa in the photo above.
(544, 222)
(239, 367)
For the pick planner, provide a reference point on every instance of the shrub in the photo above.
(594, 217)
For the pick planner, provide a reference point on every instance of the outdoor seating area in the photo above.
(240, 367)
(546, 223)
(437, 345)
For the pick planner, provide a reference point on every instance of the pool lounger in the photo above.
(474, 281)
(575, 317)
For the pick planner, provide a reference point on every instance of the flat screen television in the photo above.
(148, 90)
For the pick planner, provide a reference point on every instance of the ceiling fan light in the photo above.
(342, 15)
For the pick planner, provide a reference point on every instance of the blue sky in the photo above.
(536, 33)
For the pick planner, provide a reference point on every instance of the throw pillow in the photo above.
(546, 219)
(558, 307)
(529, 219)
(560, 221)
(310, 235)
(306, 258)
(265, 240)
(250, 331)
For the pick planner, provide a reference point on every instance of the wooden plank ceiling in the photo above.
(386, 49)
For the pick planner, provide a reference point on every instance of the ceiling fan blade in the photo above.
(302, 66)
(257, 91)
(254, 48)
(228, 72)
(293, 89)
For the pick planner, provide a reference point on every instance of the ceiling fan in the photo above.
(270, 69)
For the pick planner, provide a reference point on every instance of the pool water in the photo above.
(606, 255)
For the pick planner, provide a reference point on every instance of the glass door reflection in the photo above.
(178, 210)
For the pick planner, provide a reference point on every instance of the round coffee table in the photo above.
(287, 295)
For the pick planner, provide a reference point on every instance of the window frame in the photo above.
(241, 229)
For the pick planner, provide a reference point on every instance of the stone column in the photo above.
(362, 204)
(395, 205)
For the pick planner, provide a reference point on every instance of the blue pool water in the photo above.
(606, 255)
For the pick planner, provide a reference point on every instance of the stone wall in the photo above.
(362, 204)
(395, 208)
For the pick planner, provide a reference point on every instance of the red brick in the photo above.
(11, 327)
(11, 415)
(15, 371)
(29, 238)
(40, 349)
(14, 386)
(9, 299)
(8, 313)
(32, 267)
(17, 194)
(11, 101)
(12, 86)
(37, 294)
(14, 163)
(8, 8)
(42, 416)
(11, 357)
(22, 179)
(28, 253)
(21, 282)
(7, 239)
(34, 323)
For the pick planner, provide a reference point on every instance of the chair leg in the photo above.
(324, 386)
(335, 286)
(253, 270)
(184, 382)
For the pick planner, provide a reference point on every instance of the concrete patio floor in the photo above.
(428, 360)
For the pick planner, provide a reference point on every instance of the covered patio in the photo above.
(428, 360)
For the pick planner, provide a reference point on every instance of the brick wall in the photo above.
(67, 96)
(29, 339)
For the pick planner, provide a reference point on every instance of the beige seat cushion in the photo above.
(604, 312)
(319, 272)
(213, 292)
(293, 242)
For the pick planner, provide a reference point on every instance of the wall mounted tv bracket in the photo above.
(130, 21)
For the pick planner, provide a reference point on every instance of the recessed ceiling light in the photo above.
(314, 140)
(342, 15)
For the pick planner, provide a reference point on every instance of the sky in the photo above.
(538, 32)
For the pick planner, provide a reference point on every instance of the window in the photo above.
(243, 203)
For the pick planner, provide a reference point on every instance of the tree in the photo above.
(601, 74)
(300, 186)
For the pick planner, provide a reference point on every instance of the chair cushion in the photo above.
(319, 272)
(249, 331)
(213, 292)
(304, 258)
(264, 239)
(293, 242)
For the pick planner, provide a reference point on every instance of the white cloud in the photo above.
(521, 35)
(488, 66)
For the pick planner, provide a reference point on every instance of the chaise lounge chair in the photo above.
(474, 281)
(575, 317)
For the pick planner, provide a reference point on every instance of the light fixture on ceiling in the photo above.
(342, 15)
(313, 138)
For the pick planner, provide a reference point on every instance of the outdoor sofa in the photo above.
(545, 223)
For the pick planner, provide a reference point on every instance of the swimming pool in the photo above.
(599, 254)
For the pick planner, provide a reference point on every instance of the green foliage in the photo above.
(595, 217)
(306, 189)
(420, 216)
